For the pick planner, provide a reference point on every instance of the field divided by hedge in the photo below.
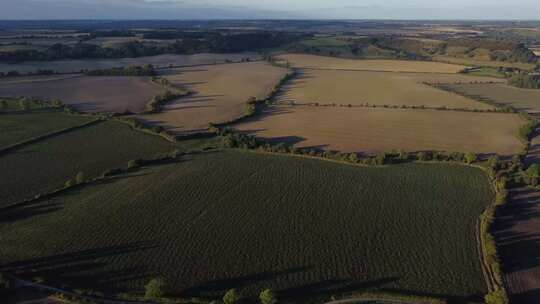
(47, 164)
(223, 220)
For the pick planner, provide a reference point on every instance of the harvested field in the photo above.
(377, 88)
(382, 130)
(48, 164)
(70, 66)
(516, 232)
(332, 63)
(221, 93)
(244, 220)
(89, 93)
(523, 99)
(19, 127)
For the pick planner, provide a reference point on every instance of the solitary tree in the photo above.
(231, 297)
(496, 297)
(267, 296)
(533, 173)
(156, 288)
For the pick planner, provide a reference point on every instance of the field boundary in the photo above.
(16, 146)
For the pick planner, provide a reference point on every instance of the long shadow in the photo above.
(327, 288)
(221, 285)
(450, 299)
(82, 269)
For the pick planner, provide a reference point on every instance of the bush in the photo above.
(496, 297)
(80, 178)
(4, 283)
(231, 297)
(267, 296)
(470, 158)
(156, 288)
(134, 163)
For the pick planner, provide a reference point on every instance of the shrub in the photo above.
(267, 296)
(496, 297)
(231, 297)
(156, 288)
(4, 283)
(470, 157)
(134, 163)
(80, 178)
(422, 156)
(68, 183)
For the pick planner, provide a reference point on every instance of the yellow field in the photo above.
(221, 92)
(371, 130)
(523, 99)
(378, 88)
(322, 62)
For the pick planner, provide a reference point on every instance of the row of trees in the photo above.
(157, 288)
(244, 141)
(145, 70)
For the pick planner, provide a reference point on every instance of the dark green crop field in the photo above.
(230, 219)
(19, 127)
(48, 164)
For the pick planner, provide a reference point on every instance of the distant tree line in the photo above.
(215, 42)
(146, 70)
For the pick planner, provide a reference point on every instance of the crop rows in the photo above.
(245, 220)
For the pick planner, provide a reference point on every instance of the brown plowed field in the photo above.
(221, 93)
(377, 88)
(379, 130)
(333, 63)
(89, 93)
(517, 233)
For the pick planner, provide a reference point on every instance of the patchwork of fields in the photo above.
(224, 220)
(46, 165)
(332, 63)
(89, 93)
(377, 88)
(221, 93)
(382, 130)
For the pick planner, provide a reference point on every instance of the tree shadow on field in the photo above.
(83, 269)
(222, 285)
(328, 288)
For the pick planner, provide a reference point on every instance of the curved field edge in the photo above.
(183, 255)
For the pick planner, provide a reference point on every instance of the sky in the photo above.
(269, 9)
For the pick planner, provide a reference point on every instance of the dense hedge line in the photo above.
(145, 70)
(525, 81)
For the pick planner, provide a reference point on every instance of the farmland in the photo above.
(377, 88)
(88, 93)
(221, 93)
(381, 130)
(245, 220)
(16, 127)
(485, 63)
(523, 99)
(47, 164)
(322, 62)
(70, 66)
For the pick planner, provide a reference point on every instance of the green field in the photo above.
(48, 164)
(20, 127)
(245, 220)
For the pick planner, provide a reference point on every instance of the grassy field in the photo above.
(70, 66)
(89, 93)
(48, 164)
(221, 93)
(244, 220)
(321, 62)
(524, 99)
(485, 63)
(19, 127)
(377, 88)
(382, 130)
